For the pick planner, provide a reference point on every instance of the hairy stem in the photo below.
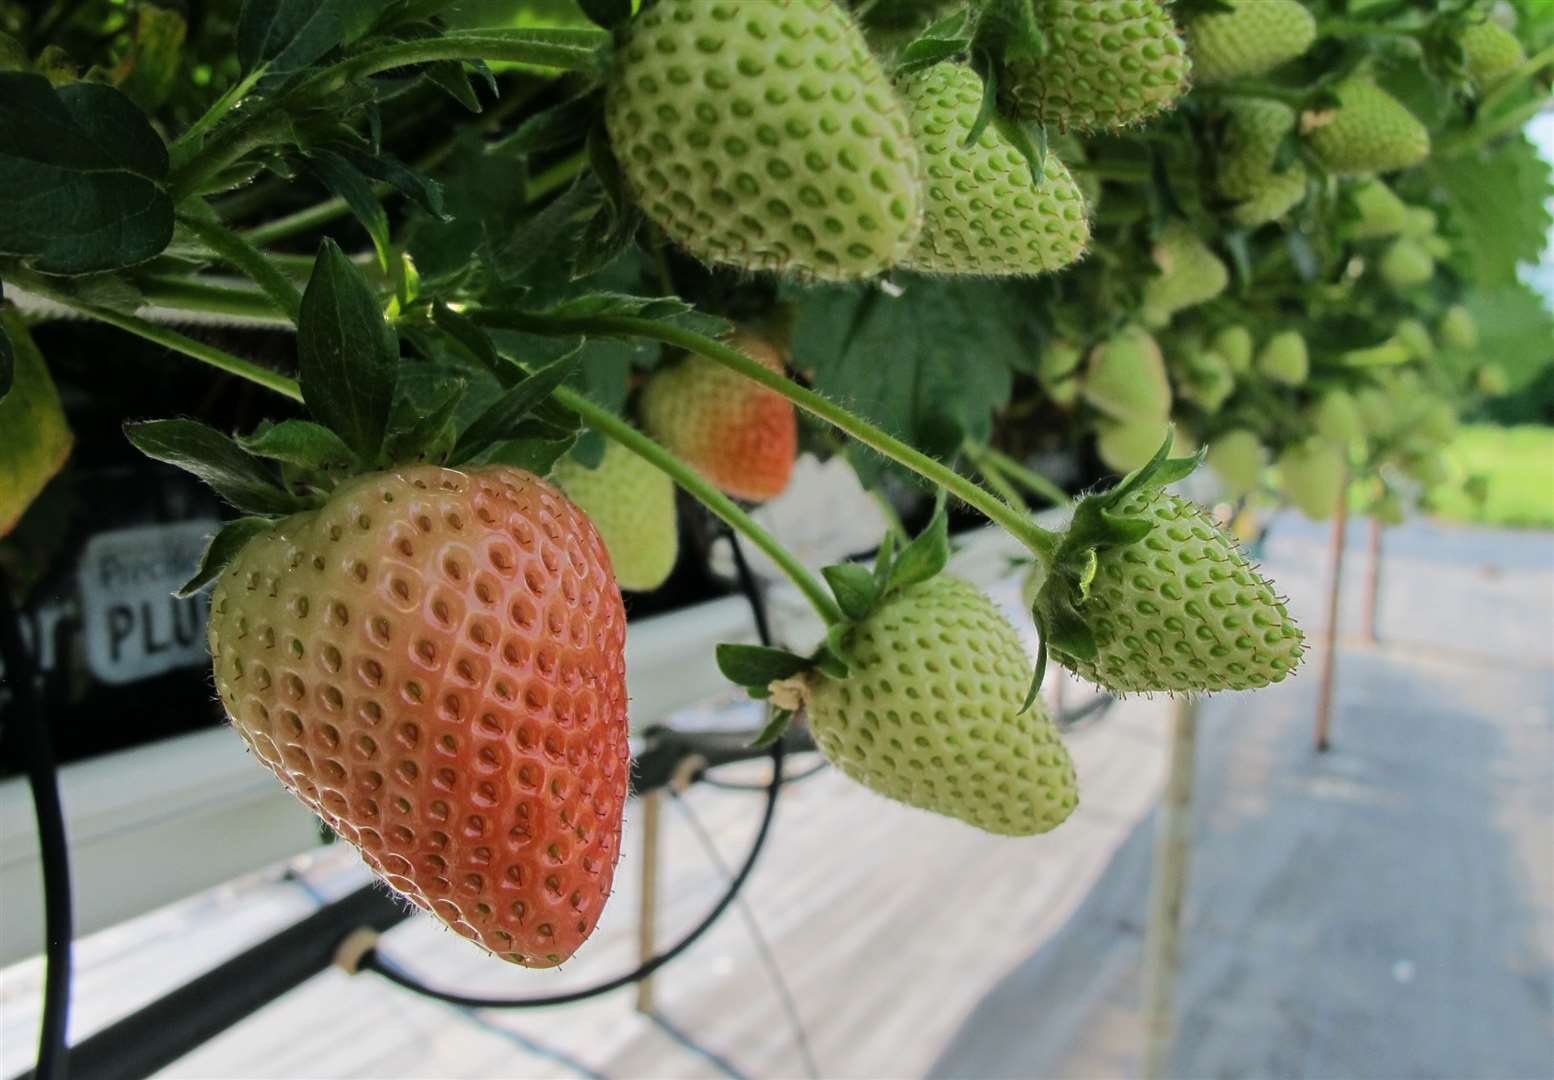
(218, 109)
(567, 51)
(192, 294)
(1027, 478)
(240, 253)
(1042, 543)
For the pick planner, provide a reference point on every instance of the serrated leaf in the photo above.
(775, 729)
(214, 459)
(925, 556)
(499, 421)
(82, 170)
(451, 77)
(854, 587)
(291, 34)
(299, 442)
(347, 353)
(758, 665)
(345, 180)
(421, 190)
(430, 435)
(222, 549)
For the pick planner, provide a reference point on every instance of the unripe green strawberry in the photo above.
(1428, 470)
(631, 503)
(1207, 380)
(1406, 264)
(1311, 475)
(981, 212)
(1108, 64)
(1415, 337)
(1419, 222)
(1492, 53)
(1253, 38)
(1438, 247)
(1336, 419)
(1189, 274)
(1235, 344)
(1284, 358)
(1239, 458)
(1458, 329)
(1435, 420)
(737, 433)
(1247, 170)
(929, 713)
(1057, 371)
(434, 663)
(1375, 410)
(1129, 444)
(1126, 378)
(1491, 380)
(765, 137)
(1370, 132)
(1181, 609)
(1378, 212)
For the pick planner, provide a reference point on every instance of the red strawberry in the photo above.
(735, 432)
(434, 662)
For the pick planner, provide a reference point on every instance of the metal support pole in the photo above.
(1173, 851)
(1334, 595)
(1373, 580)
(647, 911)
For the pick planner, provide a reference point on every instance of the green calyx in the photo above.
(1146, 594)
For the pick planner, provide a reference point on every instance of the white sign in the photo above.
(133, 625)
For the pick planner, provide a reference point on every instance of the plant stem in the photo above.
(243, 255)
(617, 430)
(992, 477)
(238, 138)
(570, 51)
(1513, 81)
(191, 294)
(1031, 480)
(219, 108)
(554, 177)
(1043, 544)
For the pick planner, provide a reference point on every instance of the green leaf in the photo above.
(380, 165)
(775, 729)
(222, 549)
(291, 34)
(884, 559)
(758, 665)
(216, 460)
(82, 170)
(537, 454)
(514, 407)
(474, 341)
(562, 125)
(347, 353)
(430, 435)
(35, 441)
(831, 658)
(607, 13)
(351, 184)
(299, 442)
(451, 77)
(1037, 676)
(925, 556)
(149, 71)
(855, 589)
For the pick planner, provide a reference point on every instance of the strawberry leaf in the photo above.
(502, 420)
(775, 729)
(855, 589)
(221, 550)
(924, 557)
(291, 34)
(348, 354)
(299, 442)
(428, 435)
(758, 665)
(348, 182)
(216, 460)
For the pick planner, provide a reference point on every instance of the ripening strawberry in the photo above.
(765, 137)
(1252, 38)
(1126, 378)
(1248, 171)
(1492, 53)
(982, 214)
(434, 662)
(1235, 344)
(1405, 264)
(1458, 329)
(1311, 475)
(632, 504)
(1181, 609)
(1378, 212)
(1239, 458)
(1370, 132)
(1108, 64)
(1189, 274)
(1284, 358)
(929, 713)
(737, 433)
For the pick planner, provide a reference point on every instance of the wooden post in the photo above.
(1173, 851)
(1334, 595)
(1373, 580)
(647, 910)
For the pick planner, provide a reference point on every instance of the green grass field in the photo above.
(1519, 465)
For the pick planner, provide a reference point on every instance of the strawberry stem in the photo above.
(1041, 542)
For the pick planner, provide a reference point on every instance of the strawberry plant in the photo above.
(521, 273)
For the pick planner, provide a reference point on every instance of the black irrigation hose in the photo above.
(372, 960)
(711, 781)
(31, 731)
